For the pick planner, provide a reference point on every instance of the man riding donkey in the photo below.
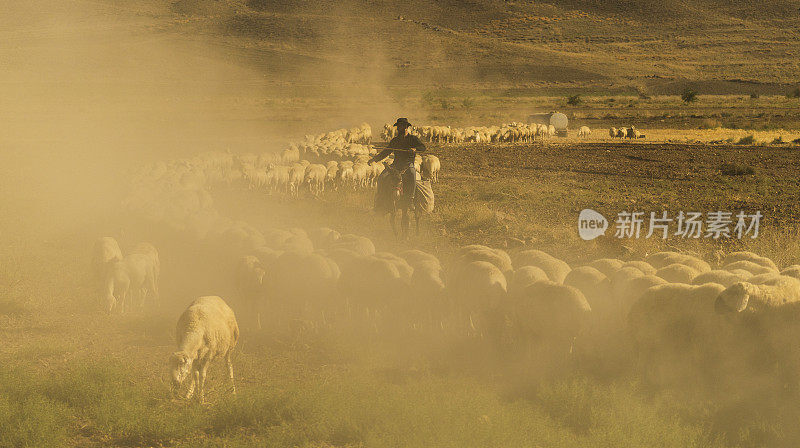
(397, 183)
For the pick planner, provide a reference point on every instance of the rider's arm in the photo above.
(417, 144)
(381, 155)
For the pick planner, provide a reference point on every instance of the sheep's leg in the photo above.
(201, 383)
(192, 382)
(230, 372)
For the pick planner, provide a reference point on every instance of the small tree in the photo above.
(689, 96)
(574, 100)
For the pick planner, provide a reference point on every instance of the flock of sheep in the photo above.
(506, 133)
(317, 278)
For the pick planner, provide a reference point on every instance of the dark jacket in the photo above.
(405, 143)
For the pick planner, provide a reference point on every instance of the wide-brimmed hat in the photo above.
(402, 121)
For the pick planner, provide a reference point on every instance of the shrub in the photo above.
(794, 93)
(689, 96)
(574, 100)
(736, 169)
(754, 96)
(748, 140)
(710, 123)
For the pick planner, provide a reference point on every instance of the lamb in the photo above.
(430, 167)
(584, 132)
(556, 269)
(772, 293)
(207, 330)
(612, 132)
(314, 178)
(105, 251)
(250, 284)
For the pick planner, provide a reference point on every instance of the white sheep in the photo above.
(749, 266)
(792, 271)
(476, 252)
(556, 269)
(150, 251)
(207, 330)
(584, 132)
(430, 167)
(524, 277)
(772, 293)
(677, 273)
(478, 288)
(607, 266)
(668, 323)
(105, 251)
(129, 280)
(724, 278)
(749, 256)
(643, 266)
(661, 259)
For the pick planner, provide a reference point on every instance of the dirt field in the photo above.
(94, 91)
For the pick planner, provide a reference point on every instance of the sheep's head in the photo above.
(733, 299)
(180, 365)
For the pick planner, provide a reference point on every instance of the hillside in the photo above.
(720, 46)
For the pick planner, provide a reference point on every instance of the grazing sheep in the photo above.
(304, 286)
(677, 273)
(151, 251)
(207, 330)
(773, 293)
(130, 280)
(105, 251)
(358, 244)
(584, 132)
(556, 269)
(612, 132)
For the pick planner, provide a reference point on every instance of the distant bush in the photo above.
(754, 96)
(710, 123)
(689, 96)
(642, 93)
(467, 103)
(748, 140)
(794, 93)
(574, 100)
(736, 169)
